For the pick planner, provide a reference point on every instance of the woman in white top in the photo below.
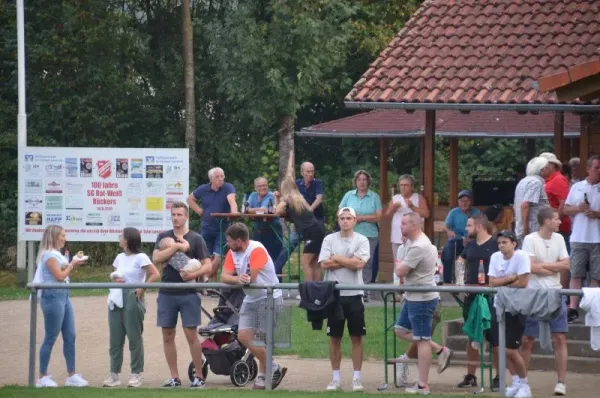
(406, 202)
(126, 308)
(53, 267)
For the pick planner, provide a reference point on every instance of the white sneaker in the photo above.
(46, 381)
(524, 392)
(512, 390)
(76, 381)
(334, 385)
(298, 297)
(444, 359)
(418, 390)
(112, 380)
(136, 380)
(357, 386)
(560, 389)
(402, 372)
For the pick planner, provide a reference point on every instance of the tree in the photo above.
(275, 57)
(188, 65)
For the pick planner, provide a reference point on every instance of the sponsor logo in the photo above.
(149, 159)
(104, 168)
(53, 218)
(114, 219)
(33, 218)
(29, 158)
(33, 202)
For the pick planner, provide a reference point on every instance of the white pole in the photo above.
(22, 138)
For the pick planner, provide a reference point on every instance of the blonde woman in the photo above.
(53, 267)
(127, 307)
(293, 206)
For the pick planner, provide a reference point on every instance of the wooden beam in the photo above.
(584, 142)
(383, 169)
(429, 168)
(530, 148)
(421, 165)
(575, 146)
(453, 172)
(579, 88)
(559, 134)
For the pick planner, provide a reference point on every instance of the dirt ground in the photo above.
(93, 360)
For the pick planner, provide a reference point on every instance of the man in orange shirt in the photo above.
(248, 262)
(557, 188)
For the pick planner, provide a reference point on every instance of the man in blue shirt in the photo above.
(217, 196)
(264, 231)
(456, 228)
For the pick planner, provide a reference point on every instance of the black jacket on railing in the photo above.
(321, 301)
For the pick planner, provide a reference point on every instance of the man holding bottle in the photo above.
(263, 201)
(476, 255)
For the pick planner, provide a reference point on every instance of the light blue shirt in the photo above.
(457, 220)
(254, 203)
(365, 206)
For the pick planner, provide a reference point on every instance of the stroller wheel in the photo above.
(192, 370)
(253, 367)
(240, 373)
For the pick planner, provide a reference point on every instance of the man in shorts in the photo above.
(583, 204)
(172, 302)
(547, 251)
(249, 262)
(417, 265)
(343, 256)
(511, 267)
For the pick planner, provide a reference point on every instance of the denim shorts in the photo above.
(417, 317)
(169, 306)
(557, 325)
(215, 243)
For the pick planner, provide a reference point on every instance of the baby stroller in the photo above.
(223, 353)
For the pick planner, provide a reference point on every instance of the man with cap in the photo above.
(557, 189)
(343, 256)
(530, 197)
(456, 228)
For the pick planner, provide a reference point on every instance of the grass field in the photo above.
(20, 392)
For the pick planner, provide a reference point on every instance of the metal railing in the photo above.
(34, 287)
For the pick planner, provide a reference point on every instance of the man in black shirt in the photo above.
(172, 302)
(480, 247)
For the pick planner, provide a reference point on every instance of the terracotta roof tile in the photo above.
(492, 51)
(448, 123)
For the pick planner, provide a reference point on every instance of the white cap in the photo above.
(347, 210)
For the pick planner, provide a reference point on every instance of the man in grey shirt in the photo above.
(530, 197)
(343, 256)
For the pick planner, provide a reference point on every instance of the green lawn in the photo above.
(20, 392)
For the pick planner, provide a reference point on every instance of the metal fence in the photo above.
(270, 310)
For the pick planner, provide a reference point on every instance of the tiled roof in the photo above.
(473, 51)
(398, 123)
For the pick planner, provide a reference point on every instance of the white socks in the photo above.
(515, 380)
(357, 375)
(336, 375)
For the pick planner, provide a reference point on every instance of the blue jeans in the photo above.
(269, 239)
(58, 318)
(449, 254)
(284, 256)
(215, 243)
(417, 317)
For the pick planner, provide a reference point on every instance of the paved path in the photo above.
(93, 360)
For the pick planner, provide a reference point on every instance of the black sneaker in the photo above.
(278, 376)
(572, 315)
(496, 384)
(468, 381)
(172, 382)
(197, 383)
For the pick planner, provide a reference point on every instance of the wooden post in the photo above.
(422, 163)
(429, 168)
(383, 169)
(530, 148)
(559, 135)
(584, 143)
(453, 172)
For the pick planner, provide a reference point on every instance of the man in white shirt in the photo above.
(247, 262)
(511, 267)
(417, 267)
(549, 257)
(343, 256)
(583, 204)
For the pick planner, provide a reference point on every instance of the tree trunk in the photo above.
(286, 145)
(188, 63)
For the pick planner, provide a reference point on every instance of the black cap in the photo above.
(508, 234)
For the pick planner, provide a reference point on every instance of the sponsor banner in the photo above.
(95, 192)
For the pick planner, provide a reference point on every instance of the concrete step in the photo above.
(577, 331)
(543, 362)
(576, 348)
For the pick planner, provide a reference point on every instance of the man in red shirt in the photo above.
(557, 188)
